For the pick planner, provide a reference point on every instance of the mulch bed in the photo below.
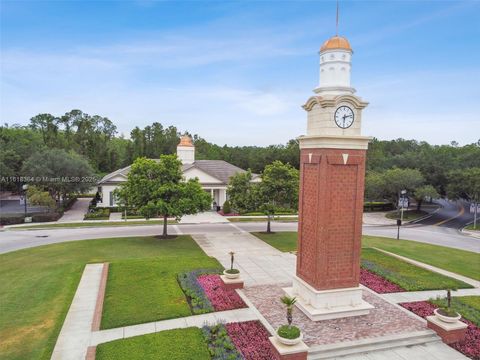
(470, 346)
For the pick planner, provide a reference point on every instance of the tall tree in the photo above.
(279, 188)
(157, 188)
(240, 192)
(422, 192)
(62, 173)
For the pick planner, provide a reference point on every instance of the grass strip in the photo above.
(178, 344)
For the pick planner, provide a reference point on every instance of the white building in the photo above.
(213, 175)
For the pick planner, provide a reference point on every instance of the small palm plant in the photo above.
(232, 272)
(289, 334)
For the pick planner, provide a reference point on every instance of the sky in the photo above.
(237, 72)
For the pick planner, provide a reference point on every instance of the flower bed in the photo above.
(378, 283)
(196, 296)
(220, 298)
(251, 339)
(470, 346)
(220, 346)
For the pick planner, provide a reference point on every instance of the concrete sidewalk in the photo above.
(207, 217)
(74, 338)
(258, 262)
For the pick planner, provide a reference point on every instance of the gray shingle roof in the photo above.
(219, 169)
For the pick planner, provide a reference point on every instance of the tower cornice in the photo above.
(330, 101)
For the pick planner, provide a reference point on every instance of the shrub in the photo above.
(232, 271)
(97, 214)
(227, 209)
(11, 220)
(46, 217)
(288, 332)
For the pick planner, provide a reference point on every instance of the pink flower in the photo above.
(378, 283)
(251, 339)
(220, 298)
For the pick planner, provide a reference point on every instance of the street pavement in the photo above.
(13, 239)
(452, 214)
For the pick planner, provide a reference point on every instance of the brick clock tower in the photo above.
(332, 175)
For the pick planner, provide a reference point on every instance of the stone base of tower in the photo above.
(328, 304)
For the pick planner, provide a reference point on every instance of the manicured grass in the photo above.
(37, 285)
(408, 276)
(284, 241)
(178, 344)
(467, 306)
(461, 262)
(470, 227)
(140, 291)
(264, 219)
(93, 224)
(408, 215)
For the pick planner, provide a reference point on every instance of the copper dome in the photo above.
(336, 42)
(185, 140)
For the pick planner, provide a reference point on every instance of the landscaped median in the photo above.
(97, 223)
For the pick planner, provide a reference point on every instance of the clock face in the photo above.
(344, 117)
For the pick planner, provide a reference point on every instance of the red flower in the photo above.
(378, 283)
(220, 298)
(251, 339)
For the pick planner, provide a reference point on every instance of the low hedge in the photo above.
(97, 214)
(377, 206)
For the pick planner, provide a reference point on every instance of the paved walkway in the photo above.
(258, 262)
(98, 337)
(75, 335)
(77, 211)
(207, 217)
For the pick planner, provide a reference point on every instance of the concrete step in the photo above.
(331, 351)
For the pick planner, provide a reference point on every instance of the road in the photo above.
(452, 214)
(11, 240)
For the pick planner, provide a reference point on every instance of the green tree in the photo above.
(62, 173)
(240, 192)
(157, 188)
(37, 196)
(423, 192)
(396, 180)
(465, 184)
(279, 188)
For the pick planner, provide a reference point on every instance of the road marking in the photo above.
(460, 213)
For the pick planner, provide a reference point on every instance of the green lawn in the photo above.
(264, 219)
(140, 291)
(93, 224)
(178, 344)
(406, 275)
(468, 306)
(408, 215)
(37, 285)
(461, 262)
(284, 241)
(470, 227)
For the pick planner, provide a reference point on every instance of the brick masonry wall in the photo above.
(330, 217)
(448, 337)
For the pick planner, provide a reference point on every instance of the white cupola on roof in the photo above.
(186, 150)
(335, 66)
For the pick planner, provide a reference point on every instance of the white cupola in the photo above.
(335, 67)
(186, 150)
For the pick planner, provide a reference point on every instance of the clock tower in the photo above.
(332, 174)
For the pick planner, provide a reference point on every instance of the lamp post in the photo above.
(401, 203)
(403, 192)
(25, 188)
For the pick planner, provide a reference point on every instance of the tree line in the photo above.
(92, 143)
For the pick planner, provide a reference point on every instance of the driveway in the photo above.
(77, 211)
